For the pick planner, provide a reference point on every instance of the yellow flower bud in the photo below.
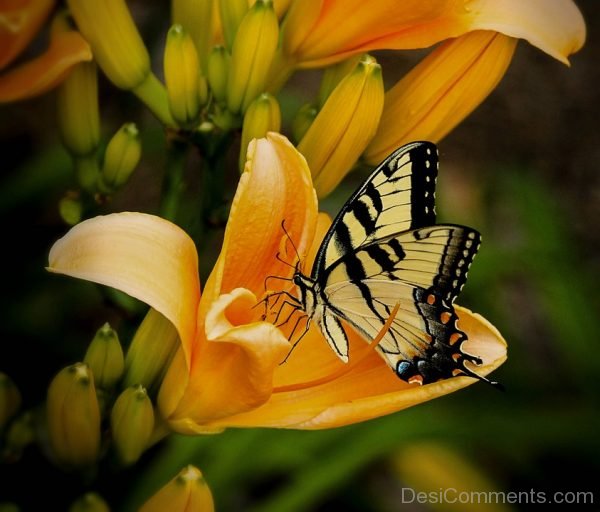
(186, 492)
(70, 208)
(263, 115)
(333, 75)
(105, 357)
(182, 71)
(302, 120)
(121, 158)
(232, 13)
(196, 17)
(19, 435)
(74, 416)
(89, 502)
(77, 109)
(120, 51)
(344, 126)
(10, 399)
(132, 422)
(218, 72)
(253, 50)
(151, 351)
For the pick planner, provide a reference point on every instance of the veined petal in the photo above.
(335, 29)
(232, 371)
(20, 20)
(46, 71)
(274, 189)
(369, 389)
(144, 256)
(441, 91)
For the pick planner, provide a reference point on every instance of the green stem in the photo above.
(173, 184)
(153, 93)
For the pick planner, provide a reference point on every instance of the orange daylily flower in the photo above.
(20, 20)
(227, 372)
(321, 32)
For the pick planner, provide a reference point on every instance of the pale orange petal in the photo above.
(275, 188)
(370, 389)
(345, 27)
(232, 371)
(20, 21)
(441, 91)
(46, 71)
(144, 256)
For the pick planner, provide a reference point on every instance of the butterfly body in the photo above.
(384, 249)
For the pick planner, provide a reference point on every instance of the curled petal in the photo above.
(441, 91)
(369, 389)
(144, 256)
(275, 190)
(232, 371)
(20, 20)
(320, 32)
(46, 71)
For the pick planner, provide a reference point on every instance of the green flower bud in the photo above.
(10, 399)
(90, 502)
(121, 158)
(263, 115)
(253, 51)
(77, 108)
(70, 209)
(132, 422)
(182, 71)
(218, 72)
(105, 358)
(302, 121)
(151, 351)
(74, 416)
(187, 491)
(19, 435)
(232, 13)
(196, 17)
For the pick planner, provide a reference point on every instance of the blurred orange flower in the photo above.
(20, 22)
(227, 372)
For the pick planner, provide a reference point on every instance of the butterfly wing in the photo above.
(382, 249)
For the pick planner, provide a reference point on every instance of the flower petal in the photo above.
(232, 372)
(142, 255)
(326, 31)
(275, 188)
(441, 91)
(20, 21)
(46, 71)
(370, 389)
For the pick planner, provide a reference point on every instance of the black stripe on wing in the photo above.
(398, 196)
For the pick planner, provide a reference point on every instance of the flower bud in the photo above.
(77, 108)
(121, 158)
(89, 502)
(114, 38)
(70, 208)
(333, 75)
(151, 351)
(19, 435)
(182, 71)
(105, 358)
(232, 13)
(263, 115)
(10, 399)
(132, 422)
(218, 72)
(120, 51)
(196, 17)
(253, 50)
(344, 126)
(74, 416)
(302, 120)
(187, 491)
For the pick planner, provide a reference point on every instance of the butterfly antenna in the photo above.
(471, 373)
(292, 242)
